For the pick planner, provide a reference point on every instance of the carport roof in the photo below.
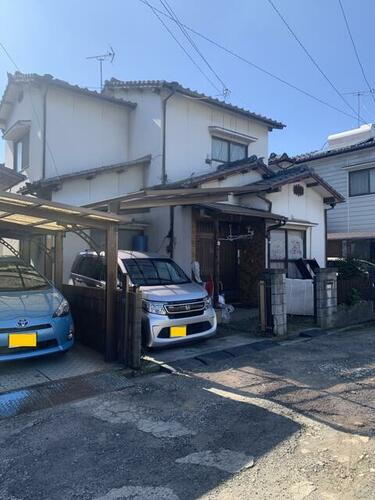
(35, 215)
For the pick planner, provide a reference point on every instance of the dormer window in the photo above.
(224, 150)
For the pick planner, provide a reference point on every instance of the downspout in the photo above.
(164, 176)
(268, 237)
(44, 132)
(332, 206)
(164, 113)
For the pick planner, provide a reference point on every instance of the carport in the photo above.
(25, 217)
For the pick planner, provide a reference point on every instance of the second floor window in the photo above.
(21, 153)
(224, 150)
(362, 182)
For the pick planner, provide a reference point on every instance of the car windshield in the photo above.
(148, 272)
(17, 276)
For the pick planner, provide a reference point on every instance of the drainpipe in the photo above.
(44, 132)
(332, 206)
(268, 231)
(171, 232)
(164, 112)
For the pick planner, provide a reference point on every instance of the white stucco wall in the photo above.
(189, 138)
(84, 132)
(187, 132)
(159, 219)
(106, 185)
(145, 135)
(308, 207)
(30, 108)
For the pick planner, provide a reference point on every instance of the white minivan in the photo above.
(175, 309)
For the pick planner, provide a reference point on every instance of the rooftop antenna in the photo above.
(109, 56)
(359, 94)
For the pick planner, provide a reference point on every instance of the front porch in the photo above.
(230, 244)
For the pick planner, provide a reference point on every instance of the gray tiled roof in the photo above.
(294, 174)
(19, 77)
(192, 93)
(316, 155)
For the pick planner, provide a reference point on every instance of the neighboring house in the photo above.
(347, 164)
(83, 148)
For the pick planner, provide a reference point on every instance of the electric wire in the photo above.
(250, 63)
(356, 51)
(310, 56)
(180, 45)
(170, 10)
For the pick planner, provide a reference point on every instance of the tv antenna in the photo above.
(359, 94)
(109, 56)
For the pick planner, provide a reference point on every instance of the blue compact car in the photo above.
(35, 318)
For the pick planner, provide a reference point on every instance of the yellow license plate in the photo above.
(22, 340)
(177, 331)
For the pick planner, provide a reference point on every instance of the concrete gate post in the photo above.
(325, 285)
(276, 299)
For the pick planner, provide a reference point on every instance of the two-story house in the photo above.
(347, 163)
(86, 148)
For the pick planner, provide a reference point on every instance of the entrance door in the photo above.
(229, 270)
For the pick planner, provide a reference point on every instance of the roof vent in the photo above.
(351, 137)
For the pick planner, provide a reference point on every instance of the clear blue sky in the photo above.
(45, 36)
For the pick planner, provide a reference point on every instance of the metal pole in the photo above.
(58, 267)
(101, 73)
(216, 261)
(359, 105)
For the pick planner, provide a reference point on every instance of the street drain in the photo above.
(58, 392)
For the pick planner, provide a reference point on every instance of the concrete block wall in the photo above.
(276, 282)
(326, 297)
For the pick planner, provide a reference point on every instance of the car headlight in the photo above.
(62, 310)
(154, 307)
(207, 302)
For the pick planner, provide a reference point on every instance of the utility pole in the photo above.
(109, 56)
(359, 94)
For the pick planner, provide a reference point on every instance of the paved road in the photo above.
(293, 421)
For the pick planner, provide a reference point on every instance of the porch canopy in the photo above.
(22, 217)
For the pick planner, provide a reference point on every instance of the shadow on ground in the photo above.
(330, 378)
(169, 433)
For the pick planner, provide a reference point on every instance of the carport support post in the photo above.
(58, 264)
(111, 288)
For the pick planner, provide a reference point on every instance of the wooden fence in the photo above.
(88, 310)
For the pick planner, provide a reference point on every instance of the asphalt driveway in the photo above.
(293, 421)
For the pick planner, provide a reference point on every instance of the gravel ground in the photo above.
(294, 421)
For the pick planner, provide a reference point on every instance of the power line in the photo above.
(310, 56)
(356, 51)
(250, 63)
(169, 10)
(155, 11)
